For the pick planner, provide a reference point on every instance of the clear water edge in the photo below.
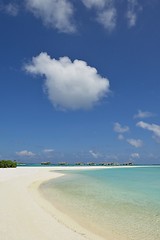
(120, 203)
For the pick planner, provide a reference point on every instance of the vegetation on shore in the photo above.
(8, 164)
(88, 164)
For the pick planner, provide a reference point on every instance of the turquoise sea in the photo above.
(116, 203)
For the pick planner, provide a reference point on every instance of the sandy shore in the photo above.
(25, 214)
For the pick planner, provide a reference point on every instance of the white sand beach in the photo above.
(25, 214)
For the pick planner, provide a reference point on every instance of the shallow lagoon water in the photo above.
(116, 203)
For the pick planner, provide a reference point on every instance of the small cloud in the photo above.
(69, 85)
(94, 3)
(48, 150)
(106, 13)
(94, 154)
(53, 13)
(25, 153)
(108, 18)
(11, 9)
(135, 155)
(154, 128)
(135, 142)
(120, 137)
(120, 129)
(132, 12)
(143, 114)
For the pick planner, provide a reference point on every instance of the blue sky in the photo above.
(80, 80)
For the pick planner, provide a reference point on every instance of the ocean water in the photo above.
(115, 203)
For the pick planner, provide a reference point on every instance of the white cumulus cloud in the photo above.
(53, 13)
(135, 142)
(69, 85)
(143, 114)
(25, 153)
(154, 128)
(120, 129)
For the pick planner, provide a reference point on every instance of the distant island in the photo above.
(89, 164)
(15, 163)
(45, 163)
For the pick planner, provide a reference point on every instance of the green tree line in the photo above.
(8, 164)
